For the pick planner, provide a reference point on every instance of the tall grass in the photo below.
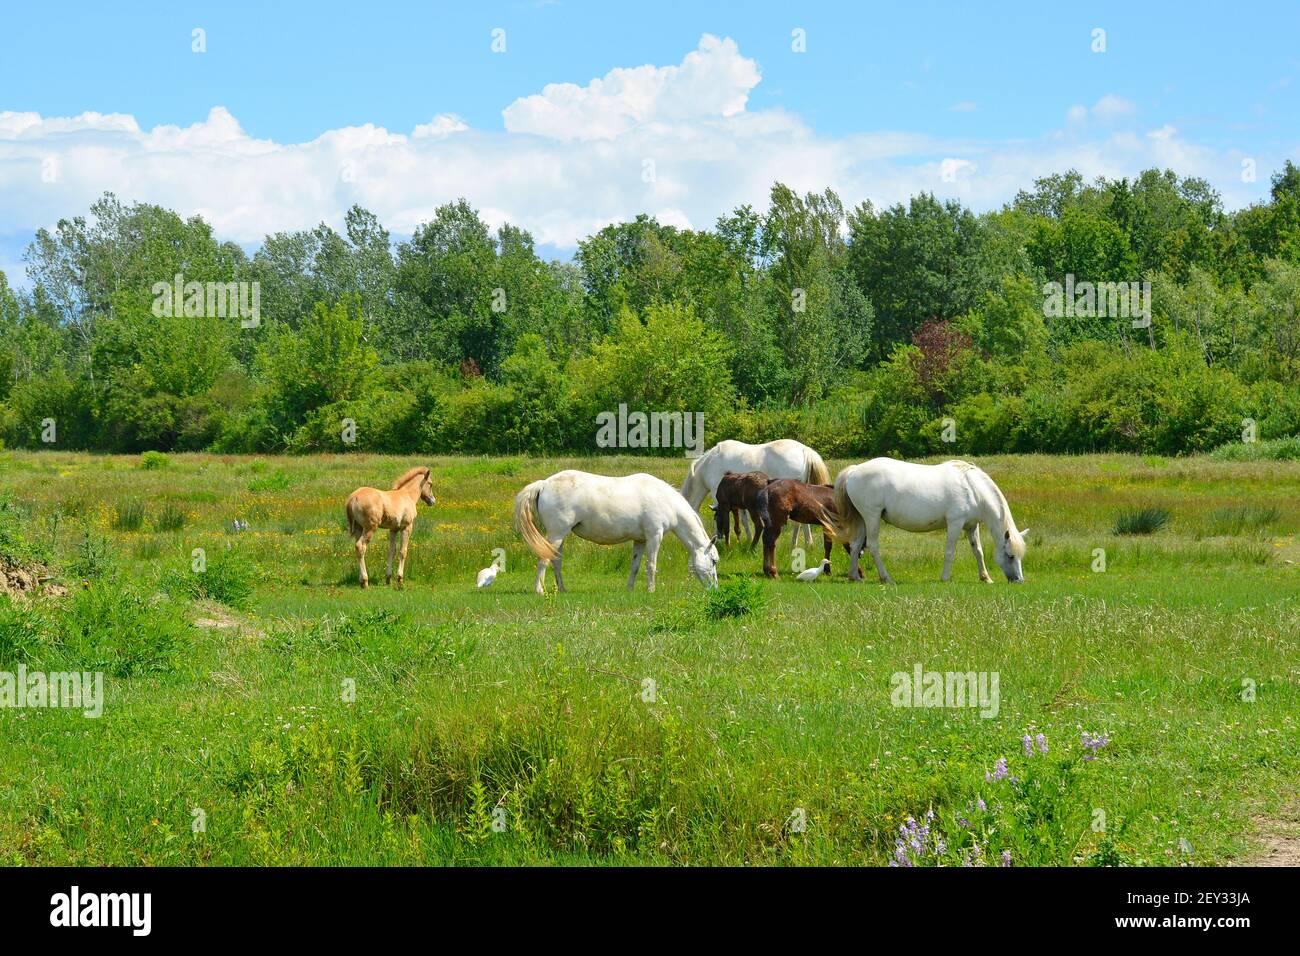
(1246, 519)
(170, 517)
(1134, 521)
(128, 516)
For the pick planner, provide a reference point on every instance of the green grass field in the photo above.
(291, 718)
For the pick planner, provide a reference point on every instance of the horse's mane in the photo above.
(417, 470)
(1016, 543)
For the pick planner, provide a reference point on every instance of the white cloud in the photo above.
(569, 160)
(1111, 107)
(712, 81)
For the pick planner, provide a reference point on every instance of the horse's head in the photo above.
(704, 563)
(1010, 552)
(426, 488)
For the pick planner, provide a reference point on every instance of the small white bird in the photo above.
(487, 575)
(812, 574)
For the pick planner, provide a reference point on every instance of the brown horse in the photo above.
(369, 509)
(788, 500)
(737, 491)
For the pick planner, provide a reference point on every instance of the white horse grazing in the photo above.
(783, 458)
(955, 495)
(638, 508)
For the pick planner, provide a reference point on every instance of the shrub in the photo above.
(735, 599)
(275, 481)
(225, 578)
(1277, 449)
(153, 460)
(1141, 521)
(118, 630)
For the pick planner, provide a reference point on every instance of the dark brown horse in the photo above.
(736, 492)
(788, 500)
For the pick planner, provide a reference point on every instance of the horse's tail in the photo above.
(354, 526)
(846, 522)
(526, 522)
(762, 506)
(688, 485)
(817, 472)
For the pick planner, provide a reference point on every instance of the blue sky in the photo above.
(320, 104)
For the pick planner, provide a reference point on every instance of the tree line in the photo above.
(920, 328)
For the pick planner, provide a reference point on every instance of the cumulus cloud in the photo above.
(677, 141)
(712, 81)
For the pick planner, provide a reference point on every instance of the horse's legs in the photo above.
(854, 549)
(539, 586)
(744, 519)
(652, 543)
(807, 536)
(392, 548)
(638, 549)
(973, 535)
(950, 549)
(771, 534)
(401, 557)
(361, 544)
(558, 564)
(873, 545)
(758, 530)
(794, 535)
(829, 542)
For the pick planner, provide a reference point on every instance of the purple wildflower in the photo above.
(1028, 745)
(1094, 743)
(1006, 857)
(999, 771)
(1041, 740)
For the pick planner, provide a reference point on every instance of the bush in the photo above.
(225, 578)
(735, 599)
(1141, 521)
(152, 460)
(118, 630)
(276, 481)
(1278, 449)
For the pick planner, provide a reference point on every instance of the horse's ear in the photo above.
(713, 507)
(713, 540)
(1023, 532)
(1006, 535)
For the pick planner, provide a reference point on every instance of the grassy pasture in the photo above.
(304, 721)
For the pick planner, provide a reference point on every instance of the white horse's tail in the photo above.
(526, 522)
(815, 470)
(688, 486)
(846, 523)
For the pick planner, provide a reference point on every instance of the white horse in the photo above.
(783, 458)
(955, 495)
(639, 508)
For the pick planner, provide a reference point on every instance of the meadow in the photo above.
(267, 711)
